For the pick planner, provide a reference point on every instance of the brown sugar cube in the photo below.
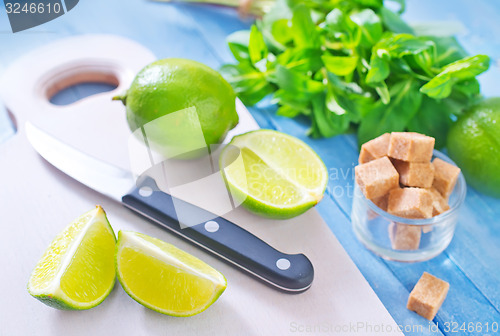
(376, 178)
(382, 201)
(445, 177)
(410, 203)
(374, 149)
(439, 203)
(415, 174)
(426, 228)
(427, 296)
(404, 236)
(411, 147)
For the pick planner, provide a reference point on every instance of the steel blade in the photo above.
(105, 178)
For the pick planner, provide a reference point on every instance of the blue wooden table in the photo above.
(471, 264)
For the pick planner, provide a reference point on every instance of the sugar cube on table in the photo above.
(445, 176)
(415, 174)
(404, 236)
(411, 147)
(374, 149)
(376, 178)
(427, 296)
(410, 203)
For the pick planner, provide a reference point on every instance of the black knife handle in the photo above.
(288, 272)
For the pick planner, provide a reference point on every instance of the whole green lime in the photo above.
(474, 144)
(197, 94)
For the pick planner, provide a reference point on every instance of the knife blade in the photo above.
(291, 273)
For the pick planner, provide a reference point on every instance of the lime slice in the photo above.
(164, 278)
(274, 174)
(77, 269)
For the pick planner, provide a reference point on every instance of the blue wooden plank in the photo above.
(464, 304)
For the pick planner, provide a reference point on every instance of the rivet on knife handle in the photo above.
(288, 272)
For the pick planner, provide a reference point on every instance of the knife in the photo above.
(291, 273)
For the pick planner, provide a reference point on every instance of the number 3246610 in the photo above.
(478, 327)
(32, 8)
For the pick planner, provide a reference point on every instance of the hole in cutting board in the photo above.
(73, 83)
(74, 93)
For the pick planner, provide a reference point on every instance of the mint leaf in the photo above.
(249, 85)
(288, 111)
(303, 28)
(369, 25)
(393, 22)
(282, 31)
(340, 65)
(295, 82)
(448, 50)
(399, 45)
(238, 44)
(379, 69)
(326, 123)
(257, 48)
(370, 3)
(394, 116)
(383, 91)
(469, 88)
(469, 67)
(301, 60)
(433, 118)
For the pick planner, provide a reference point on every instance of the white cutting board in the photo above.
(37, 201)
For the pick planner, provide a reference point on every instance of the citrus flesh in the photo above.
(281, 176)
(171, 85)
(474, 144)
(77, 269)
(164, 278)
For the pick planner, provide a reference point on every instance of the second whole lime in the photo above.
(474, 144)
(170, 85)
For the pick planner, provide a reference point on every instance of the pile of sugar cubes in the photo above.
(396, 173)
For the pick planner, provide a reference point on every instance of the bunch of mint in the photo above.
(353, 65)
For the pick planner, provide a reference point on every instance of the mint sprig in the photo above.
(353, 65)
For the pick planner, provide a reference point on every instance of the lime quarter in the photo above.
(77, 269)
(164, 278)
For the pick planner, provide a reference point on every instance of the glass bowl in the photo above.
(422, 239)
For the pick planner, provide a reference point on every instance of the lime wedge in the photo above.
(77, 269)
(275, 175)
(164, 278)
